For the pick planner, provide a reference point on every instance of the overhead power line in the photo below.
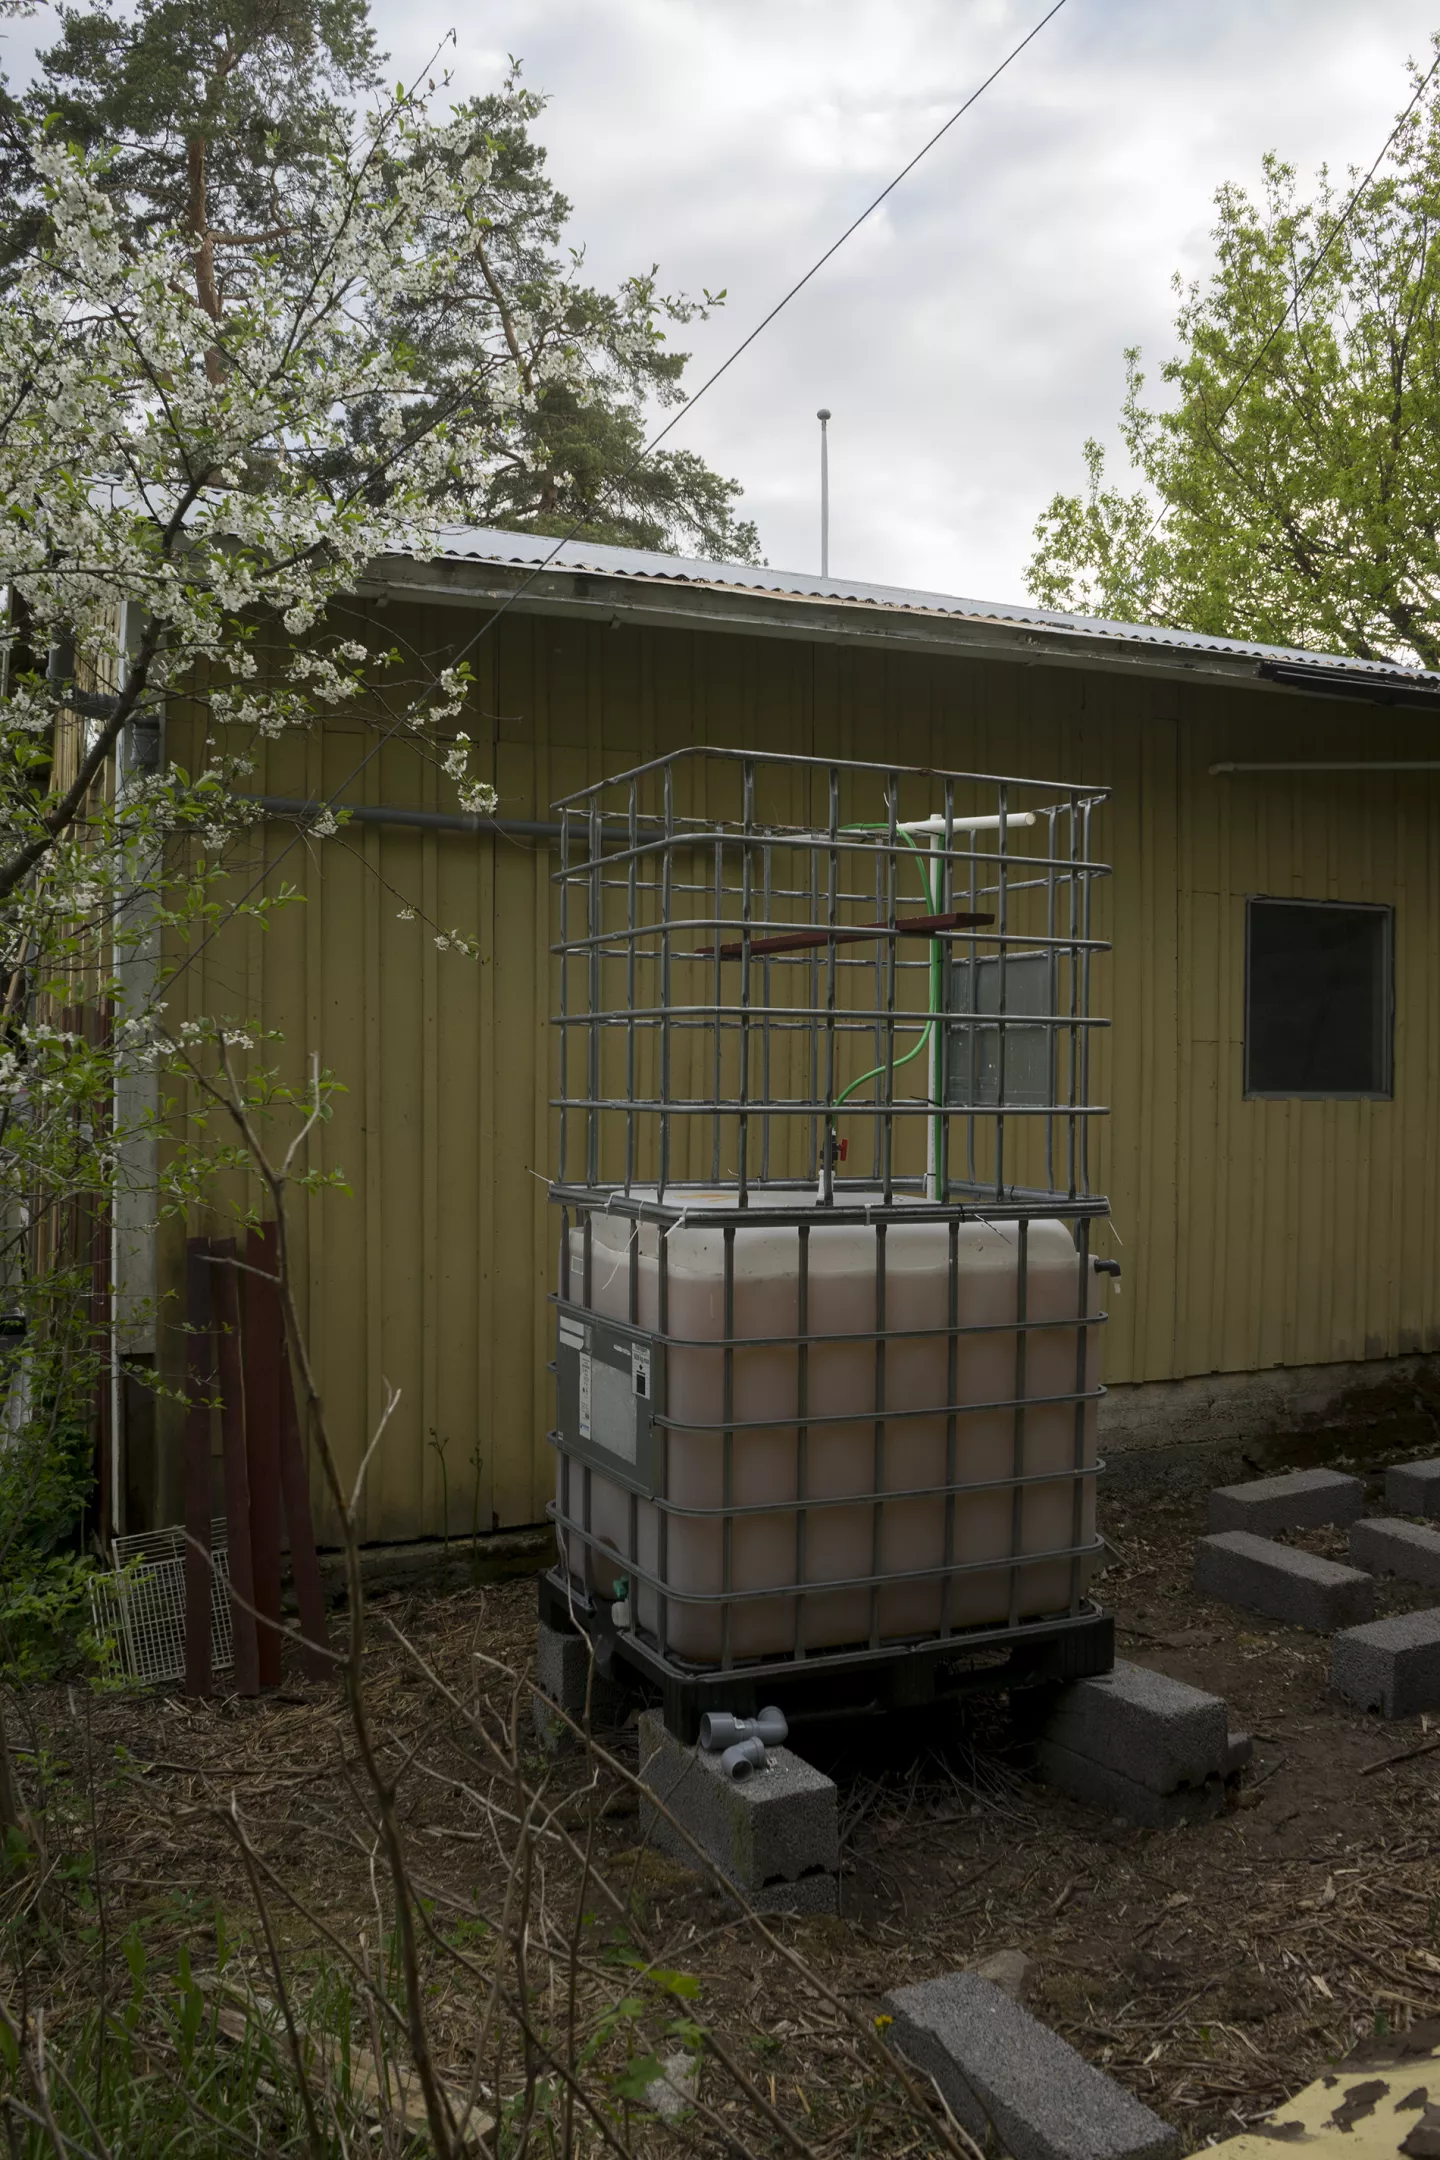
(333, 800)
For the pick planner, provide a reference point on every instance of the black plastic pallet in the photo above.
(852, 1682)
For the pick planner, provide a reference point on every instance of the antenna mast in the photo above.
(823, 416)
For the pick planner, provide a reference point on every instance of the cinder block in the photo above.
(1413, 1488)
(776, 1835)
(999, 2068)
(1154, 1731)
(1322, 1595)
(1392, 1665)
(1389, 1547)
(1298, 1500)
(563, 1677)
(1099, 1785)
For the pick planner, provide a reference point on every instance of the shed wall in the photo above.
(1251, 1233)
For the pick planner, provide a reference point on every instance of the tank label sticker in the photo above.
(640, 1367)
(572, 1332)
(586, 1368)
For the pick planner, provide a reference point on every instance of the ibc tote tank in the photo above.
(828, 1318)
(862, 1490)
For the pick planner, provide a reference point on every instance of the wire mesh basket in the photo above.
(866, 980)
(138, 1610)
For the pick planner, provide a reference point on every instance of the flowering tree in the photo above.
(215, 118)
(191, 474)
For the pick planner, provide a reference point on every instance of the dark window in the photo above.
(1317, 998)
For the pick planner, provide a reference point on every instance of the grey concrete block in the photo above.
(1298, 1500)
(1389, 1547)
(1392, 1665)
(776, 1834)
(1100, 1785)
(1155, 1731)
(1240, 1569)
(563, 1677)
(999, 2067)
(1007, 1969)
(1413, 1488)
(811, 1894)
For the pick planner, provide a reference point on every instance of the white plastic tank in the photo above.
(841, 1541)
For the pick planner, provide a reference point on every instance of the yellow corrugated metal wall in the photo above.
(1251, 1233)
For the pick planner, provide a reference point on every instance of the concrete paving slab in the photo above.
(1387, 1546)
(1297, 1500)
(1254, 1572)
(999, 2068)
(1392, 1666)
(1413, 1488)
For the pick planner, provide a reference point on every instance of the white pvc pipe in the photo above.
(1326, 765)
(992, 823)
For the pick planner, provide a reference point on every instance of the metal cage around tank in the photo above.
(824, 1106)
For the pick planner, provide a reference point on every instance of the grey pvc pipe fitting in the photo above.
(745, 1758)
(718, 1729)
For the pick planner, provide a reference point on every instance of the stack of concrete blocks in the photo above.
(775, 1836)
(1390, 1665)
(1413, 1488)
(1240, 1562)
(1140, 1745)
(1000, 2071)
(1393, 1665)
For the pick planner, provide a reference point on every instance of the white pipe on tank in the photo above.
(1328, 765)
(969, 824)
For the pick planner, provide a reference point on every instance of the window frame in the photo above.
(1386, 912)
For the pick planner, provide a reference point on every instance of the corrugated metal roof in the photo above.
(531, 551)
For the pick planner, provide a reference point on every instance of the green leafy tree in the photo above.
(216, 118)
(1289, 490)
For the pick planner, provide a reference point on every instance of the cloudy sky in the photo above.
(969, 337)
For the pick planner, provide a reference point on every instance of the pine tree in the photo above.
(217, 118)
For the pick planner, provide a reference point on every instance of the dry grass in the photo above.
(1214, 1970)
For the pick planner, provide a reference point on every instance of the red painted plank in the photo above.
(200, 1383)
(237, 1484)
(304, 1565)
(850, 934)
(262, 1346)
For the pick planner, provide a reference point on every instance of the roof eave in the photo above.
(685, 604)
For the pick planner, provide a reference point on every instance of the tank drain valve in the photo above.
(718, 1729)
(745, 1758)
(620, 1610)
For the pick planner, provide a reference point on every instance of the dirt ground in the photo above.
(1214, 1970)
